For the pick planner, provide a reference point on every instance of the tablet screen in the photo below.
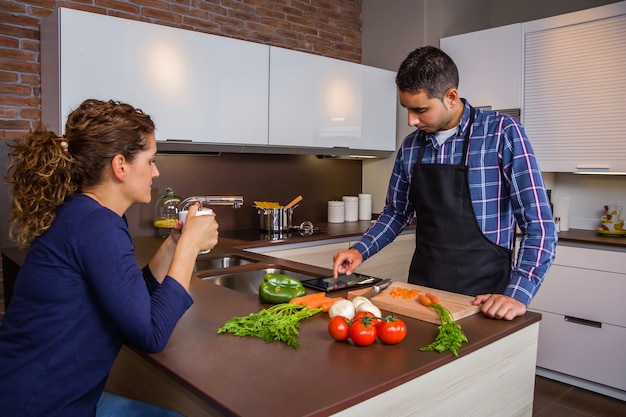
(341, 283)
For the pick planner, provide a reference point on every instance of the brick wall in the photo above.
(325, 27)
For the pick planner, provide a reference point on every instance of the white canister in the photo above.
(351, 204)
(336, 212)
(365, 207)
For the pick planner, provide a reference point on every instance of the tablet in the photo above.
(341, 283)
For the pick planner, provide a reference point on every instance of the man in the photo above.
(467, 176)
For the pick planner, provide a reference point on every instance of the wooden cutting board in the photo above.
(459, 305)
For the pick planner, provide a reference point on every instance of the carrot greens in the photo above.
(450, 335)
(279, 322)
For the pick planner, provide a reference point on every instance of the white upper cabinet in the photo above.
(321, 102)
(211, 93)
(574, 79)
(490, 66)
(196, 87)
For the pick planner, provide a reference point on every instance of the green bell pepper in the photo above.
(279, 288)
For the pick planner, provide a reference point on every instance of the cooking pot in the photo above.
(276, 219)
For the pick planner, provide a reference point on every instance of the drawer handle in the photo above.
(584, 322)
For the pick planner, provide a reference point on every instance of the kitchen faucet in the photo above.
(234, 201)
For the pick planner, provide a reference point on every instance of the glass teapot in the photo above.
(166, 212)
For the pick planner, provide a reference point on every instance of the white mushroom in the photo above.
(359, 299)
(343, 308)
(370, 308)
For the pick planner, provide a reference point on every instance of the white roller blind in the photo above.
(574, 85)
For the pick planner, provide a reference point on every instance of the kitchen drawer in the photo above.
(597, 259)
(320, 255)
(393, 261)
(584, 293)
(591, 353)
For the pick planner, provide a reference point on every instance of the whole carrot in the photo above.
(307, 297)
(424, 299)
(329, 302)
(314, 303)
(433, 298)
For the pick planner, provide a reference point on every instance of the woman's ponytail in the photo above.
(40, 175)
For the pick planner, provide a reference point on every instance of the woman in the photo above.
(80, 293)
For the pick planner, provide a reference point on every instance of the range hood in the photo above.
(178, 147)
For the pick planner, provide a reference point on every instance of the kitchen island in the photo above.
(201, 373)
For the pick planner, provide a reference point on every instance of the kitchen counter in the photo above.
(202, 373)
(213, 374)
(591, 238)
(354, 230)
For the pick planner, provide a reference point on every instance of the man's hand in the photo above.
(498, 306)
(346, 262)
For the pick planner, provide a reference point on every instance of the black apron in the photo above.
(451, 251)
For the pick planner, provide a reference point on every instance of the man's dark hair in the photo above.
(428, 69)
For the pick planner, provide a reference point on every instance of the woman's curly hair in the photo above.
(41, 177)
(46, 169)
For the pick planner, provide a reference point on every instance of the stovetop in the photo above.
(254, 235)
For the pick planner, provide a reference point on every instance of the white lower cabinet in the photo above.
(583, 328)
(320, 255)
(582, 350)
(393, 261)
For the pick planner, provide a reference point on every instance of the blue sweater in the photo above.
(78, 297)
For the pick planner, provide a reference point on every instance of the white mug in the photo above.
(182, 215)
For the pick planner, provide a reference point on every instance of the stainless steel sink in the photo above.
(249, 281)
(223, 262)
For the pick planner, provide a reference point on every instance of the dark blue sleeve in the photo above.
(151, 281)
(144, 311)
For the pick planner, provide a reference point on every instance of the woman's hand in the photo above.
(199, 231)
(197, 234)
(176, 230)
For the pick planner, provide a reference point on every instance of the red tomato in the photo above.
(339, 328)
(360, 314)
(391, 330)
(363, 332)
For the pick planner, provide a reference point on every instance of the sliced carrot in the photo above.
(307, 298)
(433, 298)
(404, 293)
(422, 298)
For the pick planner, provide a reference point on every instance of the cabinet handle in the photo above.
(584, 322)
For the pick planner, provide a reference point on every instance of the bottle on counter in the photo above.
(166, 212)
